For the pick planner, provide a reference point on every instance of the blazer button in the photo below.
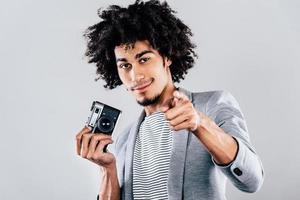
(237, 171)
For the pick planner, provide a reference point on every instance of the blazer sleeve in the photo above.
(246, 170)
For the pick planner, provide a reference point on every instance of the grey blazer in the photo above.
(193, 174)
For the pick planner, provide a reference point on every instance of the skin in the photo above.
(146, 74)
(90, 146)
(143, 65)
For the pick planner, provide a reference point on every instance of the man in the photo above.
(184, 145)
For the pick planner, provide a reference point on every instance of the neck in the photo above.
(166, 95)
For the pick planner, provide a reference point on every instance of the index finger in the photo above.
(85, 130)
(180, 95)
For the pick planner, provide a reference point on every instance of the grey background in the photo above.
(250, 48)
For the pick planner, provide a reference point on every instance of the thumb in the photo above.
(180, 96)
(177, 94)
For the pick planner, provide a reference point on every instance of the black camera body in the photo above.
(103, 118)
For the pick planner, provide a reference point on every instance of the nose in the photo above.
(136, 74)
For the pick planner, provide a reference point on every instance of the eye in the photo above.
(143, 60)
(125, 66)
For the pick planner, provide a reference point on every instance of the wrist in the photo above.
(109, 169)
(109, 188)
(200, 125)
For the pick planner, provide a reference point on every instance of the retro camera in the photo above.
(103, 118)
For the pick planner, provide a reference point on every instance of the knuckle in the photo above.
(101, 143)
(84, 155)
(78, 137)
(187, 116)
(167, 115)
(191, 116)
(186, 108)
(193, 124)
(94, 137)
(95, 156)
(105, 142)
(100, 136)
(88, 156)
(85, 136)
(79, 134)
(83, 131)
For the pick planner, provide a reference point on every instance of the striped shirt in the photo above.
(152, 158)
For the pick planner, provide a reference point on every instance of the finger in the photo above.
(179, 99)
(94, 142)
(190, 124)
(179, 119)
(100, 147)
(176, 111)
(85, 130)
(94, 145)
(180, 95)
(183, 125)
(102, 136)
(85, 144)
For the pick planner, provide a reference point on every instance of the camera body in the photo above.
(103, 118)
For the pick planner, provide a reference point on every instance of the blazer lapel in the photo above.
(177, 162)
(129, 157)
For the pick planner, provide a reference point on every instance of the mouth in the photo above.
(142, 88)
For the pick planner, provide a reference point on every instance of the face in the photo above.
(143, 71)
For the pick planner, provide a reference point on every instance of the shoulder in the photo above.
(210, 98)
(216, 102)
(206, 99)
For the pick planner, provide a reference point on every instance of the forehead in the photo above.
(132, 49)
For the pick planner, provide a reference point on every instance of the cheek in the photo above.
(161, 74)
(122, 77)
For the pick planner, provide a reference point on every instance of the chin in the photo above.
(147, 101)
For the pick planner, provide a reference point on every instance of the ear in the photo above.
(168, 61)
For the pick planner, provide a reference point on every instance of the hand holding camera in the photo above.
(93, 139)
(91, 145)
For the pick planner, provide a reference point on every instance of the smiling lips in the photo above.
(142, 87)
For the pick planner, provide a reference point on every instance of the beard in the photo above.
(150, 101)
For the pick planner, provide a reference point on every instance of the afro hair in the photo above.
(152, 21)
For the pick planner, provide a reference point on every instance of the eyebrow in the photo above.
(136, 56)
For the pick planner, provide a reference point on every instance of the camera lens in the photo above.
(105, 124)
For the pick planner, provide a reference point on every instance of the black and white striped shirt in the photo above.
(152, 158)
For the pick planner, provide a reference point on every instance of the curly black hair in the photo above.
(152, 21)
